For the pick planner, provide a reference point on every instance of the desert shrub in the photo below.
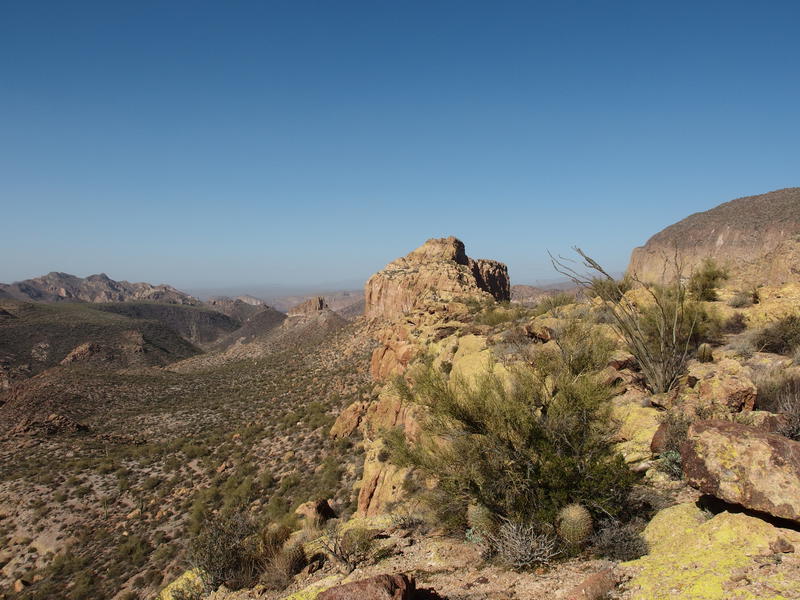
(549, 303)
(523, 447)
(675, 432)
(282, 566)
(779, 392)
(741, 299)
(228, 552)
(736, 323)
(705, 280)
(349, 547)
(523, 546)
(582, 347)
(620, 541)
(612, 289)
(497, 314)
(780, 337)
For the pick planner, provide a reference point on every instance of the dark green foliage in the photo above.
(781, 337)
(706, 279)
(518, 449)
(620, 541)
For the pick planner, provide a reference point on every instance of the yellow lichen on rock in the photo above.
(315, 589)
(637, 425)
(694, 558)
(188, 582)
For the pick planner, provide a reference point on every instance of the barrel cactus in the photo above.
(481, 520)
(704, 353)
(574, 524)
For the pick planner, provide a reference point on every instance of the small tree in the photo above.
(523, 447)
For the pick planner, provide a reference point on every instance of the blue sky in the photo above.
(224, 144)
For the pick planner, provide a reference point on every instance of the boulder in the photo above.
(596, 586)
(744, 465)
(693, 557)
(380, 587)
(348, 420)
(316, 512)
(724, 386)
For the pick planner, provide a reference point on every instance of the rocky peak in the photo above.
(438, 269)
(309, 307)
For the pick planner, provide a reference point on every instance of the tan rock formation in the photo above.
(309, 307)
(755, 237)
(439, 268)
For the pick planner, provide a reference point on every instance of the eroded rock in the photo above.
(744, 465)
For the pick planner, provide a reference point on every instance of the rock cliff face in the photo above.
(439, 268)
(309, 307)
(755, 237)
(60, 287)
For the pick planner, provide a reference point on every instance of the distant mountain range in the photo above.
(63, 287)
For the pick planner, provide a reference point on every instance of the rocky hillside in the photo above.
(755, 237)
(61, 287)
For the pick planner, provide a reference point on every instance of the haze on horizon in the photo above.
(307, 144)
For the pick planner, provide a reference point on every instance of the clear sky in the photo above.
(213, 144)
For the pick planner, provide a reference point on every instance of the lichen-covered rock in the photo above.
(725, 386)
(188, 584)
(438, 268)
(692, 557)
(744, 465)
(637, 426)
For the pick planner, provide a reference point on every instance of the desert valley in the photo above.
(445, 434)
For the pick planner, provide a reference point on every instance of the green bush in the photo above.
(705, 280)
(779, 392)
(227, 550)
(518, 448)
(741, 299)
(780, 337)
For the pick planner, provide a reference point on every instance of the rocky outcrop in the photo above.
(309, 307)
(380, 587)
(744, 465)
(60, 287)
(755, 237)
(730, 555)
(439, 268)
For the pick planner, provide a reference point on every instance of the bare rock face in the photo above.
(309, 307)
(438, 268)
(754, 237)
(744, 465)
